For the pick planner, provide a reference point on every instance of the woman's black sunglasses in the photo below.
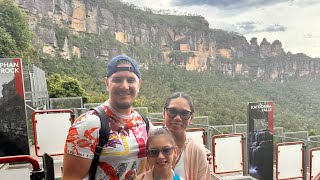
(166, 151)
(184, 114)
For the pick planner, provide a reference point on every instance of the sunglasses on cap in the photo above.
(184, 114)
(166, 151)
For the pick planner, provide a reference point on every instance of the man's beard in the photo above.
(123, 105)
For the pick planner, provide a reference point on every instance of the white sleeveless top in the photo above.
(180, 168)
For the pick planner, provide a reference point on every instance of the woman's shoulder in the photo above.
(193, 144)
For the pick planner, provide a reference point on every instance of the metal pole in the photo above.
(305, 154)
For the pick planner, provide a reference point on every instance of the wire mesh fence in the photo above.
(142, 110)
(240, 128)
(314, 141)
(222, 129)
(156, 117)
(91, 105)
(35, 86)
(66, 103)
(203, 120)
(295, 136)
(278, 136)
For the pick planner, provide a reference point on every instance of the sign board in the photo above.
(290, 160)
(197, 134)
(260, 140)
(315, 163)
(13, 123)
(228, 153)
(50, 130)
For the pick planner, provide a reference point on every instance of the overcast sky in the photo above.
(294, 22)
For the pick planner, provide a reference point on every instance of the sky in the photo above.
(294, 22)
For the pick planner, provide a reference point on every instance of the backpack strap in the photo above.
(103, 139)
(146, 120)
(104, 133)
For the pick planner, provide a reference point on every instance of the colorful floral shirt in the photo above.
(125, 150)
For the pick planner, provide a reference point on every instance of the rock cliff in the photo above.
(72, 27)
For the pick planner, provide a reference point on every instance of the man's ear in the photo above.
(107, 83)
(140, 82)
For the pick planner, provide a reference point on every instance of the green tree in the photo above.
(15, 23)
(65, 86)
(141, 101)
(8, 46)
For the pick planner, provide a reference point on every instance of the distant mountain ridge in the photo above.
(74, 39)
(102, 29)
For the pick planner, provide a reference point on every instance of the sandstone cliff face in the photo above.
(196, 48)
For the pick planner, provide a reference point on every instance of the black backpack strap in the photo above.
(146, 120)
(103, 139)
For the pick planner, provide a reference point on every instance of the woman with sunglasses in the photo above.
(191, 162)
(161, 154)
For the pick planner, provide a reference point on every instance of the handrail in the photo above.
(24, 158)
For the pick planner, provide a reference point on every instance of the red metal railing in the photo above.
(26, 158)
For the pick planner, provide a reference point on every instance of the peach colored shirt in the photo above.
(196, 163)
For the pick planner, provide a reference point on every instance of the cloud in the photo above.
(254, 27)
(306, 3)
(247, 26)
(275, 28)
(293, 22)
(230, 4)
(310, 36)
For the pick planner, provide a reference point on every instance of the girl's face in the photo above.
(161, 153)
(177, 116)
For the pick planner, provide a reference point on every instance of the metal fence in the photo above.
(36, 91)
(201, 120)
(314, 141)
(141, 110)
(156, 117)
(222, 129)
(91, 105)
(295, 136)
(240, 128)
(278, 136)
(66, 103)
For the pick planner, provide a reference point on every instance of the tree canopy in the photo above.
(14, 31)
(65, 86)
(8, 47)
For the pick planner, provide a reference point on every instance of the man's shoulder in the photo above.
(145, 119)
(139, 115)
(88, 119)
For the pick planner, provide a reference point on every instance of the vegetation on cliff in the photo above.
(150, 16)
(15, 35)
(223, 99)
